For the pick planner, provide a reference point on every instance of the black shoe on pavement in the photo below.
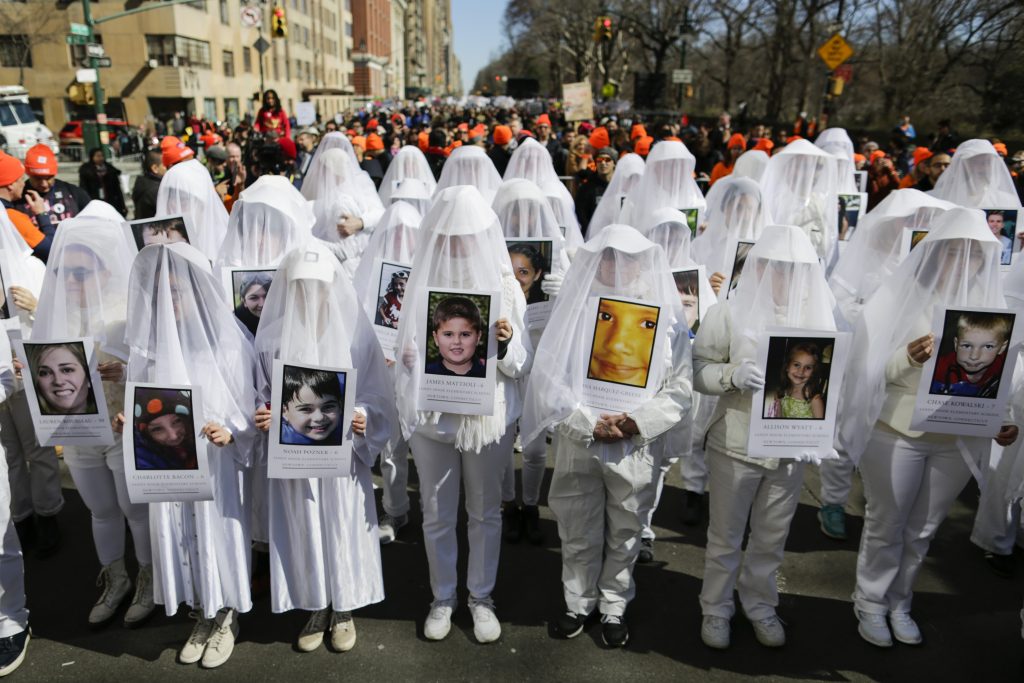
(26, 529)
(693, 508)
(511, 523)
(531, 524)
(613, 631)
(47, 536)
(12, 651)
(1001, 565)
(646, 555)
(569, 625)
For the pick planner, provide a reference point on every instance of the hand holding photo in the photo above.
(623, 342)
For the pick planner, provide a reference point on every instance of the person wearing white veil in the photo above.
(462, 247)
(911, 478)
(751, 164)
(408, 164)
(524, 212)
(415, 192)
(532, 161)
(394, 241)
(268, 220)
(977, 178)
(14, 628)
(837, 142)
(85, 294)
(606, 472)
(800, 188)
(33, 470)
(628, 172)
(187, 189)
(335, 167)
(325, 555)
(100, 209)
(782, 285)
(870, 258)
(470, 165)
(667, 183)
(736, 213)
(181, 332)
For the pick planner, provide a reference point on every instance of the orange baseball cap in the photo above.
(374, 142)
(502, 135)
(176, 154)
(11, 170)
(40, 161)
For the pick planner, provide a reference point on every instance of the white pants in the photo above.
(13, 615)
(910, 485)
(33, 471)
(441, 467)
(997, 522)
(394, 470)
(535, 456)
(768, 498)
(693, 468)
(663, 465)
(105, 492)
(601, 508)
(836, 479)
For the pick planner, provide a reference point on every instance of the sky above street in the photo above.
(478, 35)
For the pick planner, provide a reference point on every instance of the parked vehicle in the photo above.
(19, 127)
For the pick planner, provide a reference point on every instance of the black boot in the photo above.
(511, 522)
(26, 529)
(47, 536)
(693, 508)
(531, 523)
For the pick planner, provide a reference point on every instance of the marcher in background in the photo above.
(12, 191)
(306, 142)
(932, 169)
(271, 119)
(101, 180)
(374, 160)
(736, 147)
(147, 185)
(592, 185)
(501, 152)
(60, 199)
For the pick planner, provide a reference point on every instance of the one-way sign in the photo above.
(94, 50)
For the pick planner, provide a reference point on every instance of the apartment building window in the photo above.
(15, 50)
(210, 109)
(277, 69)
(348, 29)
(305, 7)
(229, 63)
(169, 50)
(225, 16)
(247, 60)
(287, 70)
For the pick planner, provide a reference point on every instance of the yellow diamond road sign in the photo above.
(835, 51)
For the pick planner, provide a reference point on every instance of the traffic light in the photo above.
(81, 93)
(602, 29)
(279, 22)
(835, 87)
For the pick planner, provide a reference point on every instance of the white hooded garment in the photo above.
(751, 164)
(394, 240)
(335, 168)
(20, 268)
(667, 184)
(955, 265)
(628, 172)
(416, 193)
(461, 247)
(98, 208)
(187, 189)
(409, 163)
(470, 165)
(837, 142)
(977, 178)
(532, 161)
(800, 188)
(324, 548)
(736, 212)
(181, 332)
(873, 253)
(269, 220)
(524, 212)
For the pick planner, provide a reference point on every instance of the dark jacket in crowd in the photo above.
(102, 183)
(500, 157)
(144, 194)
(590, 187)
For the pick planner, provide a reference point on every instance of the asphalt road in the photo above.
(969, 618)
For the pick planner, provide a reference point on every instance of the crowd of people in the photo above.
(459, 198)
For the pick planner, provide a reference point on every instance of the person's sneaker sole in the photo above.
(13, 666)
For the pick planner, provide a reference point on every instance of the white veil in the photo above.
(751, 164)
(394, 240)
(736, 212)
(977, 178)
(187, 189)
(628, 172)
(667, 183)
(269, 219)
(524, 212)
(409, 163)
(470, 165)
(837, 142)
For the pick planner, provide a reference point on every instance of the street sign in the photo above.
(94, 50)
(79, 29)
(252, 17)
(844, 73)
(86, 76)
(77, 40)
(103, 63)
(682, 76)
(261, 45)
(835, 51)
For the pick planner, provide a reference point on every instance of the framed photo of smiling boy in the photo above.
(65, 392)
(625, 350)
(311, 412)
(459, 357)
(966, 383)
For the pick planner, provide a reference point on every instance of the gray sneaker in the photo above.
(193, 649)
(389, 525)
(222, 639)
(769, 631)
(715, 631)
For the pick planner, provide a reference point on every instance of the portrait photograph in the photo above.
(1003, 224)
(740, 258)
(688, 286)
(623, 342)
(249, 290)
(160, 230)
(797, 378)
(390, 293)
(163, 430)
(312, 405)
(531, 261)
(61, 378)
(457, 334)
(971, 355)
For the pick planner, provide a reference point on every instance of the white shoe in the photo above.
(486, 627)
(312, 634)
(873, 628)
(387, 528)
(769, 631)
(222, 639)
(116, 585)
(343, 631)
(193, 649)
(904, 629)
(715, 631)
(142, 603)
(439, 621)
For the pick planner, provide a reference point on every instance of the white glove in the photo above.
(551, 284)
(748, 377)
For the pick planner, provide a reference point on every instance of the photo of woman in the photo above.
(60, 374)
(530, 261)
(459, 337)
(623, 343)
(250, 289)
(801, 368)
(163, 430)
(159, 231)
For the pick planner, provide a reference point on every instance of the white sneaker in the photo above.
(904, 629)
(769, 631)
(439, 621)
(193, 649)
(486, 627)
(343, 631)
(715, 631)
(387, 528)
(312, 634)
(116, 585)
(142, 603)
(873, 628)
(222, 639)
